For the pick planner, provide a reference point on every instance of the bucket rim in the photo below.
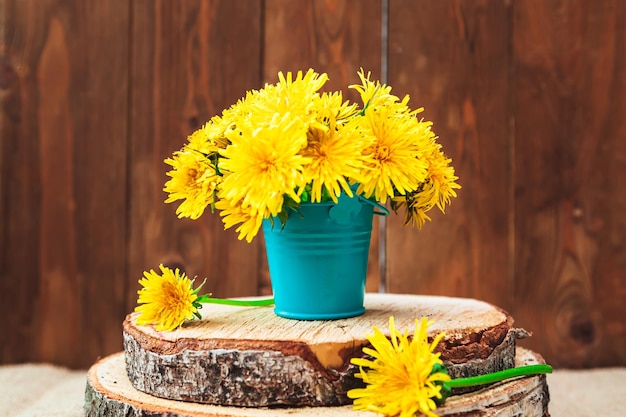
(384, 211)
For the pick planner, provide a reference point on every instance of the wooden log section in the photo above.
(109, 393)
(243, 356)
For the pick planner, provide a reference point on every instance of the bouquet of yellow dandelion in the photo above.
(288, 143)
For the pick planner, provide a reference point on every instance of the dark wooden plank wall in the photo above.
(63, 177)
(527, 96)
(570, 159)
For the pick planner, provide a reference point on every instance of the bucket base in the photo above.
(319, 316)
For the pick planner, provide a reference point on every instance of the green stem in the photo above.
(242, 303)
(499, 376)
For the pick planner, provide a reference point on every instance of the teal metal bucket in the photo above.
(318, 261)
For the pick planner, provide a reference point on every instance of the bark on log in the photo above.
(109, 393)
(242, 356)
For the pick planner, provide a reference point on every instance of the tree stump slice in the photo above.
(248, 356)
(109, 393)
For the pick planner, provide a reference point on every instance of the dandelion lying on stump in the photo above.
(168, 299)
(404, 376)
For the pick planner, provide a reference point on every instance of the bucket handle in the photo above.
(384, 211)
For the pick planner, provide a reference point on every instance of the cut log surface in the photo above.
(109, 393)
(248, 356)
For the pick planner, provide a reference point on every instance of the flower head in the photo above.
(436, 190)
(167, 300)
(404, 376)
(195, 175)
(373, 94)
(261, 166)
(297, 96)
(233, 214)
(394, 161)
(335, 150)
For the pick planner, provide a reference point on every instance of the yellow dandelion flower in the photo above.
(330, 106)
(291, 90)
(310, 81)
(332, 159)
(437, 190)
(414, 214)
(441, 180)
(233, 214)
(195, 174)
(375, 94)
(294, 96)
(210, 137)
(261, 166)
(167, 299)
(371, 91)
(400, 379)
(394, 164)
(336, 155)
(194, 179)
(241, 110)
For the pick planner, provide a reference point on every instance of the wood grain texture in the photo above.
(335, 37)
(452, 58)
(110, 393)
(525, 93)
(19, 183)
(526, 96)
(570, 156)
(249, 357)
(63, 178)
(191, 59)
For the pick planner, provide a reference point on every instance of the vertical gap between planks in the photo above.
(382, 222)
(512, 233)
(129, 155)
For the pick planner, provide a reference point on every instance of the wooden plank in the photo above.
(19, 182)
(570, 158)
(190, 60)
(337, 38)
(65, 216)
(453, 59)
(100, 99)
